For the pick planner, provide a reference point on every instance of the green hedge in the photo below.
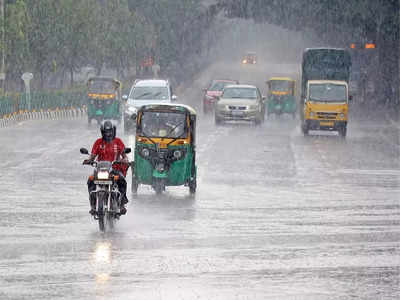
(42, 101)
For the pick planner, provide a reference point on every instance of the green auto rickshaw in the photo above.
(281, 96)
(165, 151)
(104, 99)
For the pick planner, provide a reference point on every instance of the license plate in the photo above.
(237, 113)
(102, 182)
(326, 123)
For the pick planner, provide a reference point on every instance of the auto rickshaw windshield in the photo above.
(101, 86)
(279, 86)
(163, 124)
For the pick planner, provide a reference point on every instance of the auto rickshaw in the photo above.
(281, 96)
(104, 99)
(165, 147)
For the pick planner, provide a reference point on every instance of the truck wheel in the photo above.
(304, 128)
(343, 131)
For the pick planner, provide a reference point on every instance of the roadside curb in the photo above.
(58, 114)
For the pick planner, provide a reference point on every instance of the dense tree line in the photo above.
(337, 23)
(54, 39)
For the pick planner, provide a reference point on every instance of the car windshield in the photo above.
(101, 86)
(279, 86)
(149, 93)
(248, 93)
(163, 124)
(328, 92)
(219, 85)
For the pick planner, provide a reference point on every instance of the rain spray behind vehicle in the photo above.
(324, 89)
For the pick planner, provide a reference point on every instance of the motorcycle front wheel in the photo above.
(100, 210)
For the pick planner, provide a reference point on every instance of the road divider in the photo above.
(56, 114)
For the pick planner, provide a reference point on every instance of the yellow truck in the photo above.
(325, 90)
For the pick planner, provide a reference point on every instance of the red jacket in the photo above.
(110, 151)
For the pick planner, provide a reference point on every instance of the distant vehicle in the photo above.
(143, 92)
(324, 89)
(213, 91)
(240, 102)
(250, 58)
(281, 96)
(104, 99)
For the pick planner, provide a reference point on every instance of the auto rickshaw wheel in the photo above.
(134, 186)
(192, 185)
(158, 188)
(304, 128)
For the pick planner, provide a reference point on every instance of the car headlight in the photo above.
(253, 107)
(131, 109)
(145, 152)
(177, 154)
(208, 97)
(312, 114)
(102, 175)
(222, 107)
(341, 115)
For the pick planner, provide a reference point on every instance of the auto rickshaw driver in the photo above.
(163, 125)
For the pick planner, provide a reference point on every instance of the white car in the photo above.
(143, 92)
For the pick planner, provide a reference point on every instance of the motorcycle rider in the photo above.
(109, 148)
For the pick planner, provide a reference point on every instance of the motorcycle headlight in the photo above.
(145, 152)
(177, 154)
(312, 114)
(102, 175)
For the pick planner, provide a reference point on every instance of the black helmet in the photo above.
(108, 131)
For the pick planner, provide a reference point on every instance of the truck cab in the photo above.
(325, 89)
(326, 106)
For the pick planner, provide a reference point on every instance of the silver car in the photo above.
(240, 102)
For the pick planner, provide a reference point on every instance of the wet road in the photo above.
(276, 216)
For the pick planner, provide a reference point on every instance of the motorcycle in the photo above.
(108, 196)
